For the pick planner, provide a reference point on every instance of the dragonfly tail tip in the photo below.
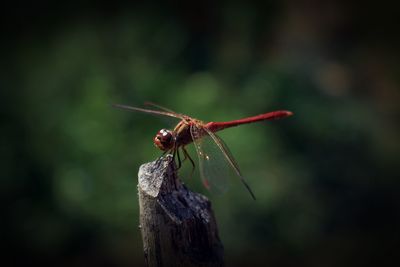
(289, 113)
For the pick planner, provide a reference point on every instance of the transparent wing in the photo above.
(216, 162)
(165, 109)
(229, 157)
(148, 103)
(150, 111)
(213, 167)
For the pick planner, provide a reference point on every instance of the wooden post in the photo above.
(178, 226)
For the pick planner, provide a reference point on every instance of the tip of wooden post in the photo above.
(178, 225)
(153, 175)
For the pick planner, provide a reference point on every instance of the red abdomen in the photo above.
(217, 126)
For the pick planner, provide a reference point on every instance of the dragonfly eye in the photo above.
(164, 139)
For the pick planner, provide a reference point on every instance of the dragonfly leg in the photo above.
(158, 161)
(173, 154)
(185, 157)
(179, 159)
(190, 159)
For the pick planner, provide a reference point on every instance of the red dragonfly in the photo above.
(215, 159)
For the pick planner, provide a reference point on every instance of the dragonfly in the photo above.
(216, 162)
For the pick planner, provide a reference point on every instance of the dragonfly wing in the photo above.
(216, 162)
(150, 111)
(164, 109)
(230, 159)
(213, 166)
(151, 104)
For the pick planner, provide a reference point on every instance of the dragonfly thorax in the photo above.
(164, 139)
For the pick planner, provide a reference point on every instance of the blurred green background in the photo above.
(326, 179)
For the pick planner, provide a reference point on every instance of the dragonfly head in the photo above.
(164, 139)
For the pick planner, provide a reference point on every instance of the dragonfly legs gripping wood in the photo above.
(177, 156)
(187, 156)
(159, 160)
(179, 159)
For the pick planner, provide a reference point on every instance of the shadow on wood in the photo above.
(178, 226)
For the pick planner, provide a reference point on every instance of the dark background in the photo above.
(326, 179)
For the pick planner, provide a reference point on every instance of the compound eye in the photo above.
(164, 139)
(165, 136)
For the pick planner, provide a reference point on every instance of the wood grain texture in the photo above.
(178, 226)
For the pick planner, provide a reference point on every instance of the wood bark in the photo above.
(178, 226)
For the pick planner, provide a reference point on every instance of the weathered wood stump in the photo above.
(178, 226)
